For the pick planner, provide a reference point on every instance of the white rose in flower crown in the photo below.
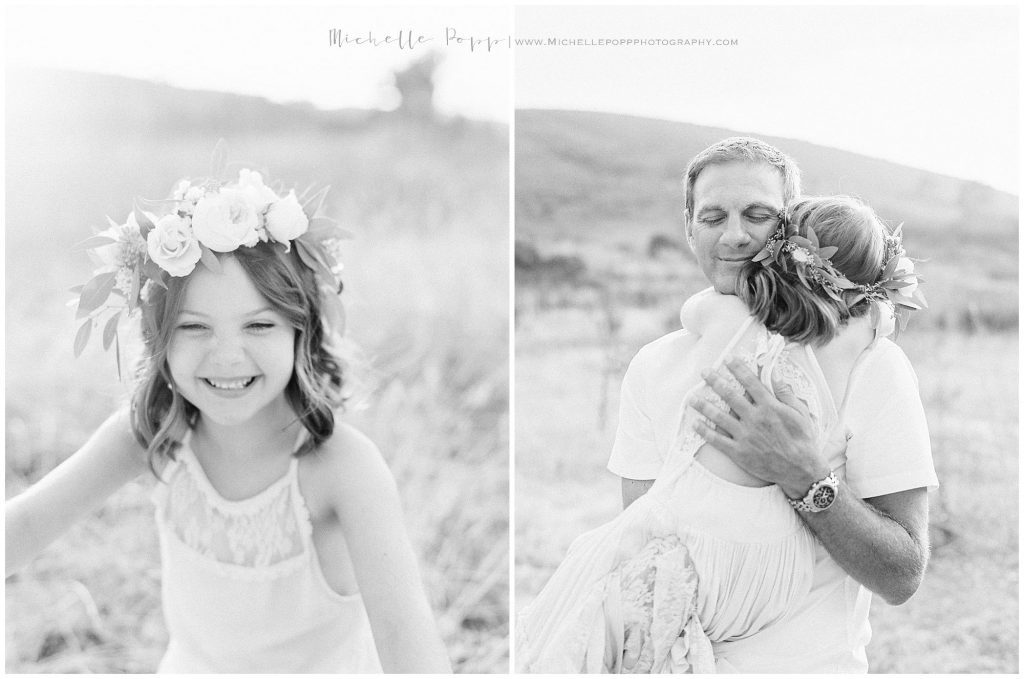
(225, 220)
(251, 182)
(172, 246)
(904, 265)
(285, 220)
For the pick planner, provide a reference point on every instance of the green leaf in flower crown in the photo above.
(896, 284)
(312, 205)
(219, 159)
(764, 254)
(803, 277)
(875, 316)
(95, 293)
(133, 296)
(322, 228)
(812, 237)
(110, 329)
(92, 242)
(855, 299)
(209, 259)
(801, 241)
(890, 268)
(334, 311)
(154, 273)
(311, 257)
(902, 319)
(303, 247)
(117, 355)
(82, 336)
(919, 296)
(845, 284)
(827, 251)
(145, 223)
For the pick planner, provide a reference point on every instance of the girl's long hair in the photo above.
(160, 416)
(785, 305)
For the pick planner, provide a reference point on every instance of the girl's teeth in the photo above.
(234, 384)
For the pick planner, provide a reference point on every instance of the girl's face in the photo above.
(231, 354)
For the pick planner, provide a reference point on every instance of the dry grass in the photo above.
(426, 285)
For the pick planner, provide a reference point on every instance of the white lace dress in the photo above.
(242, 586)
(697, 561)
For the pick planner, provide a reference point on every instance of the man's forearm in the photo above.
(876, 550)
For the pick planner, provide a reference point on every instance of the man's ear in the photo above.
(688, 230)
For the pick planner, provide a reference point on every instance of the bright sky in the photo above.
(282, 53)
(931, 87)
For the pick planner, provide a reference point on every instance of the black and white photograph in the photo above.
(766, 331)
(257, 355)
(511, 338)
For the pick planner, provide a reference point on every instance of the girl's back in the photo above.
(751, 551)
(739, 549)
(752, 554)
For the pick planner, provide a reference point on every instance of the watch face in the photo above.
(824, 496)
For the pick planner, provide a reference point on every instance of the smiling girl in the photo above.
(282, 541)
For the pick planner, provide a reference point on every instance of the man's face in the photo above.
(735, 209)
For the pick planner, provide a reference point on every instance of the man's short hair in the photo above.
(742, 149)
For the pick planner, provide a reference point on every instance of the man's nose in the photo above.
(735, 234)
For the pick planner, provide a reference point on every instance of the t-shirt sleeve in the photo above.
(889, 450)
(634, 453)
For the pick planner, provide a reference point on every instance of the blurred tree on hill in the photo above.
(415, 84)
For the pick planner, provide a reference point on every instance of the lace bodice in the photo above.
(259, 536)
(243, 589)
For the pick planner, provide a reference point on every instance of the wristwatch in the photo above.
(820, 497)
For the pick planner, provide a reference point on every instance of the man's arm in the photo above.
(632, 489)
(881, 542)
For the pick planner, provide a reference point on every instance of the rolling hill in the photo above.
(583, 174)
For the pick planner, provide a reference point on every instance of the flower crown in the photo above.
(206, 217)
(897, 288)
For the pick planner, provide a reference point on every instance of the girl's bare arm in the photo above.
(80, 484)
(366, 501)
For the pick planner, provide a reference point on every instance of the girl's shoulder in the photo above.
(346, 466)
(710, 313)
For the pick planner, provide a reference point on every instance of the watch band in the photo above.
(819, 497)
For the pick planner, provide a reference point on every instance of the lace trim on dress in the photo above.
(261, 537)
(766, 353)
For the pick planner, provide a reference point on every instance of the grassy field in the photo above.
(426, 291)
(600, 272)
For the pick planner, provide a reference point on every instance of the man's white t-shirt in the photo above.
(889, 452)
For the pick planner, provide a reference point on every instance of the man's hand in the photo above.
(881, 542)
(768, 437)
